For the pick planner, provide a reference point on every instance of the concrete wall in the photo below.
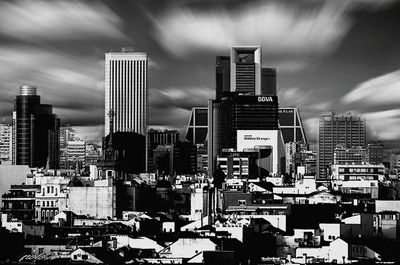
(96, 202)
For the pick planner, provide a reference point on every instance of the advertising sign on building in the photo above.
(248, 139)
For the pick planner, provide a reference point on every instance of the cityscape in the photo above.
(200, 132)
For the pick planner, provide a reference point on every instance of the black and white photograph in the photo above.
(216, 132)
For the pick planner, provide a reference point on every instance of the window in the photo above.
(242, 202)
(48, 189)
(84, 257)
(74, 257)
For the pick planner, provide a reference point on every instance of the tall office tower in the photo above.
(268, 81)
(35, 130)
(246, 70)
(337, 128)
(222, 76)
(238, 113)
(126, 91)
(248, 110)
(197, 128)
(242, 72)
(375, 153)
(291, 125)
(5, 142)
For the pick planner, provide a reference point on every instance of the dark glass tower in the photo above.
(222, 76)
(36, 131)
(247, 101)
(237, 112)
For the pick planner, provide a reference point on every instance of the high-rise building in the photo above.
(222, 76)
(250, 104)
(246, 70)
(242, 72)
(291, 125)
(126, 91)
(268, 81)
(5, 142)
(197, 128)
(337, 128)
(35, 131)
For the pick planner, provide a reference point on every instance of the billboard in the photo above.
(263, 139)
(248, 139)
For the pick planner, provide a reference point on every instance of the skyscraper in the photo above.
(35, 131)
(197, 128)
(126, 91)
(242, 72)
(247, 109)
(337, 128)
(291, 125)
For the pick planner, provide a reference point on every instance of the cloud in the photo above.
(176, 104)
(380, 90)
(307, 100)
(58, 20)
(384, 125)
(279, 28)
(72, 84)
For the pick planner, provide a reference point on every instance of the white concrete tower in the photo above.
(126, 92)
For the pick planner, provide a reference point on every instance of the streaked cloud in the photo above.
(72, 84)
(280, 28)
(384, 125)
(380, 90)
(58, 20)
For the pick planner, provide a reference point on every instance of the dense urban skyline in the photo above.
(330, 55)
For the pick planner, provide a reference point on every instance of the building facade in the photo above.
(291, 125)
(249, 104)
(197, 128)
(126, 91)
(350, 155)
(35, 131)
(375, 153)
(337, 128)
(5, 142)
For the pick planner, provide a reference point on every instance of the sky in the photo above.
(330, 55)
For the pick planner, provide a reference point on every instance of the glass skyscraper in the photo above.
(291, 125)
(35, 131)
